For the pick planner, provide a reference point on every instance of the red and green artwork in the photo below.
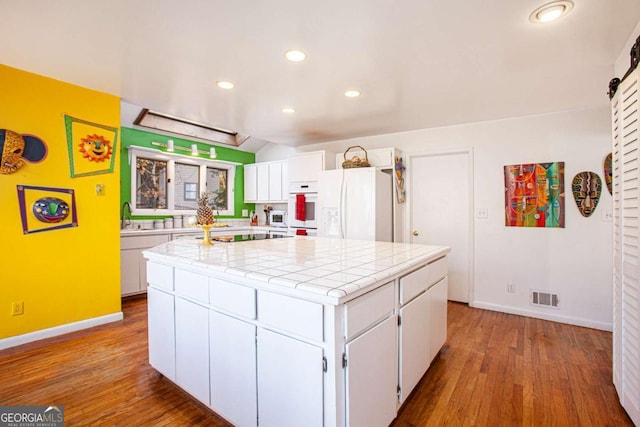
(534, 195)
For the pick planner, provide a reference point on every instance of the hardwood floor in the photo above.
(495, 370)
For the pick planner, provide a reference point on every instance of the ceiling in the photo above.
(418, 63)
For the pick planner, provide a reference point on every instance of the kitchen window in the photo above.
(167, 184)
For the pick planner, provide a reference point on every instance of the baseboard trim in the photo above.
(544, 316)
(59, 330)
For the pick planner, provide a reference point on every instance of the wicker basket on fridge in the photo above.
(355, 161)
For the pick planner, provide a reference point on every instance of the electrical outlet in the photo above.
(245, 212)
(511, 287)
(17, 308)
(482, 213)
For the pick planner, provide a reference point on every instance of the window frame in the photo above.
(172, 159)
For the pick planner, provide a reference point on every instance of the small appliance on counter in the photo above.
(278, 218)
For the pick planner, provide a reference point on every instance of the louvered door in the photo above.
(626, 153)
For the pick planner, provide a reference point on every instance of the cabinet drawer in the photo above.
(160, 276)
(414, 283)
(143, 242)
(233, 298)
(368, 309)
(299, 317)
(192, 285)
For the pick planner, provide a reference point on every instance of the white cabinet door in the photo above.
(275, 182)
(162, 338)
(233, 369)
(192, 349)
(438, 320)
(130, 273)
(372, 376)
(414, 342)
(284, 189)
(290, 382)
(263, 181)
(306, 166)
(250, 183)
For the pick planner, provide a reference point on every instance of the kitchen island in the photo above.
(297, 331)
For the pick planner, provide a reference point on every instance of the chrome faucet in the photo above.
(126, 206)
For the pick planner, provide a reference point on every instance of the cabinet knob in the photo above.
(415, 233)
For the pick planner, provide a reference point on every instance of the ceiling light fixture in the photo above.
(352, 93)
(551, 11)
(288, 110)
(225, 85)
(295, 55)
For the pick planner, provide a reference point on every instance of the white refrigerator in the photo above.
(356, 204)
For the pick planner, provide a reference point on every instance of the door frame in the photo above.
(408, 217)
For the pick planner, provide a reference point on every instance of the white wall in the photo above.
(574, 262)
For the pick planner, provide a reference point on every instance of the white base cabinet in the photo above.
(258, 357)
(133, 271)
(232, 369)
(290, 378)
(372, 376)
(162, 337)
(192, 349)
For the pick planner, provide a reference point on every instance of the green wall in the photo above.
(142, 138)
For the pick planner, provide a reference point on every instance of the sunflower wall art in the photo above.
(534, 195)
(91, 146)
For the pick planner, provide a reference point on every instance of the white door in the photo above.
(192, 349)
(415, 354)
(372, 376)
(290, 382)
(440, 197)
(233, 369)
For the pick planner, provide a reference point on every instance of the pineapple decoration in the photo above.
(204, 212)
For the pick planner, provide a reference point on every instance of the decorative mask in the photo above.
(50, 209)
(95, 148)
(16, 148)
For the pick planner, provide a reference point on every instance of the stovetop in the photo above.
(247, 237)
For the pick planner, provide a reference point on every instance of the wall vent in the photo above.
(546, 299)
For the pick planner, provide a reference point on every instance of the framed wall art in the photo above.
(91, 146)
(46, 208)
(534, 195)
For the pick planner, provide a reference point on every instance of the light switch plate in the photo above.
(607, 215)
(100, 190)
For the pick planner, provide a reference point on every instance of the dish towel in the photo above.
(301, 215)
(301, 232)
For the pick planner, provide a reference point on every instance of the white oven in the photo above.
(303, 205)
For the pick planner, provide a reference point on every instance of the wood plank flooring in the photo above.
(495, 370)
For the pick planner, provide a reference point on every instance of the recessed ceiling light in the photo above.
(224, 85)
(288, 110)
(352, 93)
(551, 11)
(295, 55)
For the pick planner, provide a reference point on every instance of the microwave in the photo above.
(278, 218)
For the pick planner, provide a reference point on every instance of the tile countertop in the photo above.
(253, 228)
(326, 270)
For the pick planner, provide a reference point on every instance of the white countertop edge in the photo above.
(334, 296)
(183, 230)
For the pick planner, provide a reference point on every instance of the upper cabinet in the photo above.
(382, 158)
(304, 167)
(266, 182)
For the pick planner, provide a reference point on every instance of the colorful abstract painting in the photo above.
(586, 188)
(91, 147)
(46, 208)
(534, 195)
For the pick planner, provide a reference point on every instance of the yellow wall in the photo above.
(65, 275)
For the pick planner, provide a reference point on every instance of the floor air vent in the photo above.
(544, 298)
